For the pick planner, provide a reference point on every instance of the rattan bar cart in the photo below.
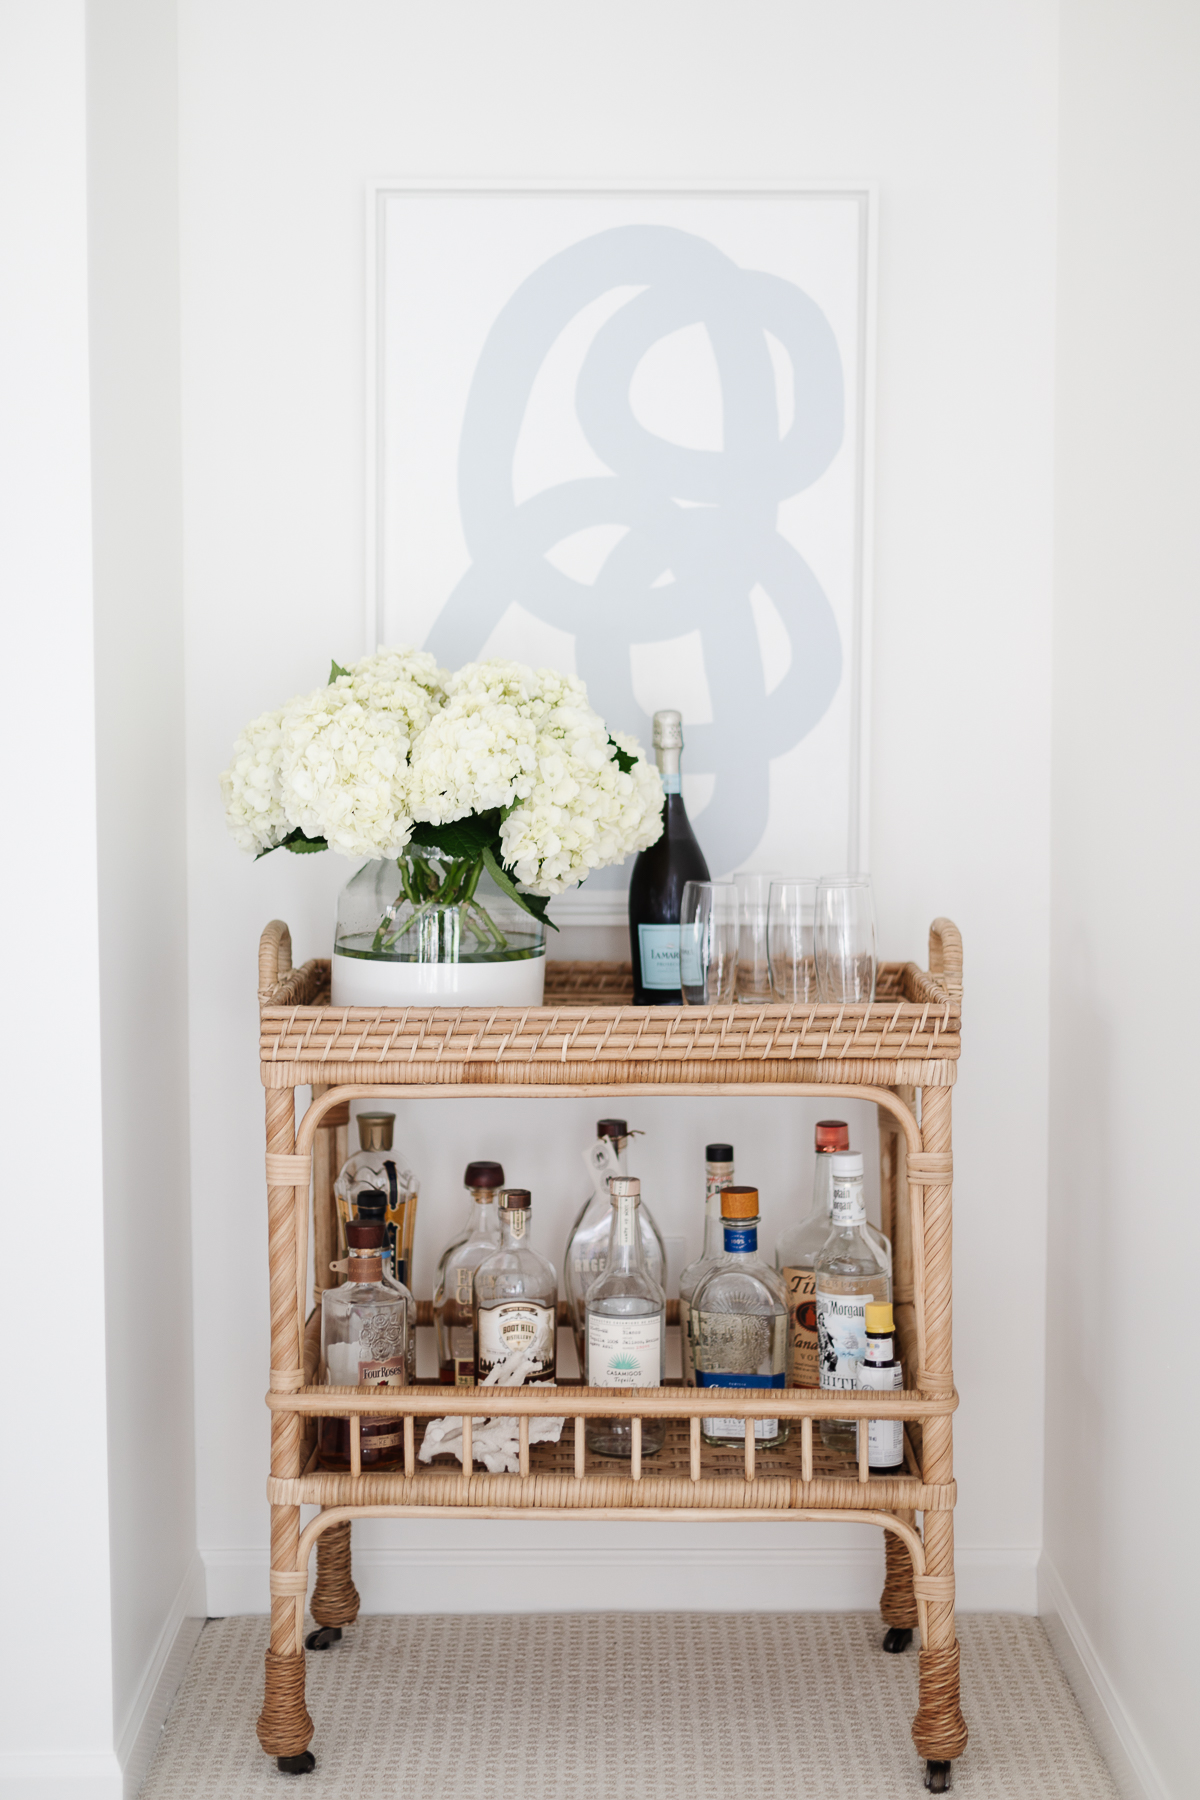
(587, 1040)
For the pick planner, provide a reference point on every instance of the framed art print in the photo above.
(625, 431)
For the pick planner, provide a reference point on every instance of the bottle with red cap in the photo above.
(797, 1251)
(454, 1295)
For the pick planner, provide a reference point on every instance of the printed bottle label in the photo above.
(885, 1437)
(624, 1353)
(464, 1286)
(517, 1328)
(841, 1337)
(387, 1371)
(741, 1240)
(804, 1369)
(848, 1207)
(658, 948)
(736, 1428)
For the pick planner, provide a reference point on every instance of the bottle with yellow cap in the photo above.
(740, 1323)
(880, 1369)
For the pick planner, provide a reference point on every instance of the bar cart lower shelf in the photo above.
(586, 1039)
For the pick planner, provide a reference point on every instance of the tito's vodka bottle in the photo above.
(366, 1337)
(718, 1174)
(739, 1322)
(587, 1242)
(626, 1326)
(454, 1297)
(851, 1273)
(516, 1302)
(659, 873)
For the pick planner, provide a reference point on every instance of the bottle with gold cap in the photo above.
(739, 1323)
(880, 1369)
(375, 1183)
(454, 1295)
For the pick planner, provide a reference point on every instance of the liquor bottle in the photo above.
(587, 1241)
(516, 1299)
(657, 882)
(718, 1174)
(378, 1174)
(626, 1326)
(454, 1295)
(880, 1369)
(798, 1250)
(367, 1333)
(739, 1322)
(851, 1272)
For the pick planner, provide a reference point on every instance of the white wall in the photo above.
(287, 109)
(1122, 1569)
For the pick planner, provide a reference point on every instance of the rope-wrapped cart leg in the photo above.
(335, 1600)
(898, 1601)
(284, 1727)
(939, 1729)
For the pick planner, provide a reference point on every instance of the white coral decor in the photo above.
(395, 740)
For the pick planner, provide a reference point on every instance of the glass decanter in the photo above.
(454, 1295)
(587, 1241)
(380, 1174)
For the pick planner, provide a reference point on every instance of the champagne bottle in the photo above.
(659, 874)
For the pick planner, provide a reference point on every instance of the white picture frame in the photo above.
(471, 288)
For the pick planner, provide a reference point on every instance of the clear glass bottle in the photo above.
(516, 1300)
(379, 1174)
(851, 1273)
(880, 1369)
(797, 1252)
(587, 1241)
(626, 1332)
(739, 1323)
(367, 1340)
(454, 1293)
(718, 1174)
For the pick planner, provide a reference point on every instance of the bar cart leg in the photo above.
(335, 1598)
(898, 1602)
(284, 1726)
(939, 1729)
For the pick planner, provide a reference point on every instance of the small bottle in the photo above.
(797, 1251)
(626, 1326)
(516, 1301)
(367, 1332)
(880, 1369)
(851, 1272)
(718, 1174)
(587, 1241)
(454, 1296)
(378, 1173)
(657, 881)
(739, 1323)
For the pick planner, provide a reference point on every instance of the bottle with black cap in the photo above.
(367, 1331)
(587, 1240)
(454, 1295)
(377, 1174)
(516, 1301)
(718, 1174)
(658, 878)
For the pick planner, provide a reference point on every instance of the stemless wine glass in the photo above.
(754, 967)
(845, 939)
(708, 942)
(791, 916)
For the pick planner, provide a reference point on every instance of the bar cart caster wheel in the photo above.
(896, 1639)
(296, 1765)
(937, 1777)
(329, 1635)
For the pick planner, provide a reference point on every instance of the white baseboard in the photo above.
(612, 1578)
(1121, 1743)
(138, 1737)
(60, 1775)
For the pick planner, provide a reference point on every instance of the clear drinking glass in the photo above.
(845, 939)
(708, 943)
(791, 916)
(754, 968)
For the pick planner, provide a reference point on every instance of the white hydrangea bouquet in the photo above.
(499, 774)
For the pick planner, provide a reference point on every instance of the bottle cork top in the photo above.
(624, 1184)
(611, 1128)
(515, 1200)
(739, 1203)
(832, 1134)
(371, 1203)
(365, 1236)
(668, 730)
(483, 1175)
(878, 1315)
(375, 1130)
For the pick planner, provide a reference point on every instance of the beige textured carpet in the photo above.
(628, 1706)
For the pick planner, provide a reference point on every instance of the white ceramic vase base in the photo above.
(362, 981)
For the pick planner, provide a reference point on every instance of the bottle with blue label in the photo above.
(740, 1323)
(658, 879)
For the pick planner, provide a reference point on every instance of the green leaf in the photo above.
(466, 838)
(534, 904)
(625, 762)
(296, 840)
(336, 669)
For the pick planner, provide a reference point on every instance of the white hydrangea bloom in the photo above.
(251, 786)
